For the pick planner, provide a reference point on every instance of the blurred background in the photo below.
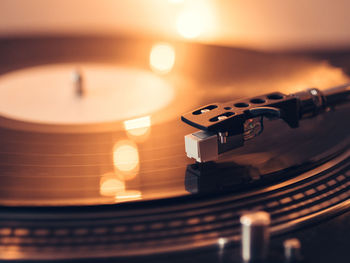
(262, 24)
(122, 72)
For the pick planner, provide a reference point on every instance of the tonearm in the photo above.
(225, 126)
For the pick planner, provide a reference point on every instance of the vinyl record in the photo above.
(104, 173)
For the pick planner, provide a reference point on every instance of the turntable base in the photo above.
(122, 187)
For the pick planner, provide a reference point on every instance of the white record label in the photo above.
(81, 94)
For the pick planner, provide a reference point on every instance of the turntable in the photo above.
(93, 156)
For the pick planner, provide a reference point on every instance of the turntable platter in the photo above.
(119, 185)
(51, 155)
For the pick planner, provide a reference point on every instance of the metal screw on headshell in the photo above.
(222, 135)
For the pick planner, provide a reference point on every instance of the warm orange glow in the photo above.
(128, 195)
(162, 58)
(176, 1)
(190, 24)
(11, 252)
(197, 19)
(110, 186)
(126, 159)
(139, 126)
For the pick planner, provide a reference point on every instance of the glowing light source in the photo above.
(137, 123)
(221, 242)
(139, 126)
(162, 58)
(176, 1)
(126, 157)
(128, 195)
(190, 24)
(111, 186)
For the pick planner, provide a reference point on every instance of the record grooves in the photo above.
(200, 221)
(125, 189)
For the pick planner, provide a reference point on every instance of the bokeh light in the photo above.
(162, 58)
(110, 186)
(126, 159)
(176, 1)
(139, 126)
(128, 195)
(190, 24)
